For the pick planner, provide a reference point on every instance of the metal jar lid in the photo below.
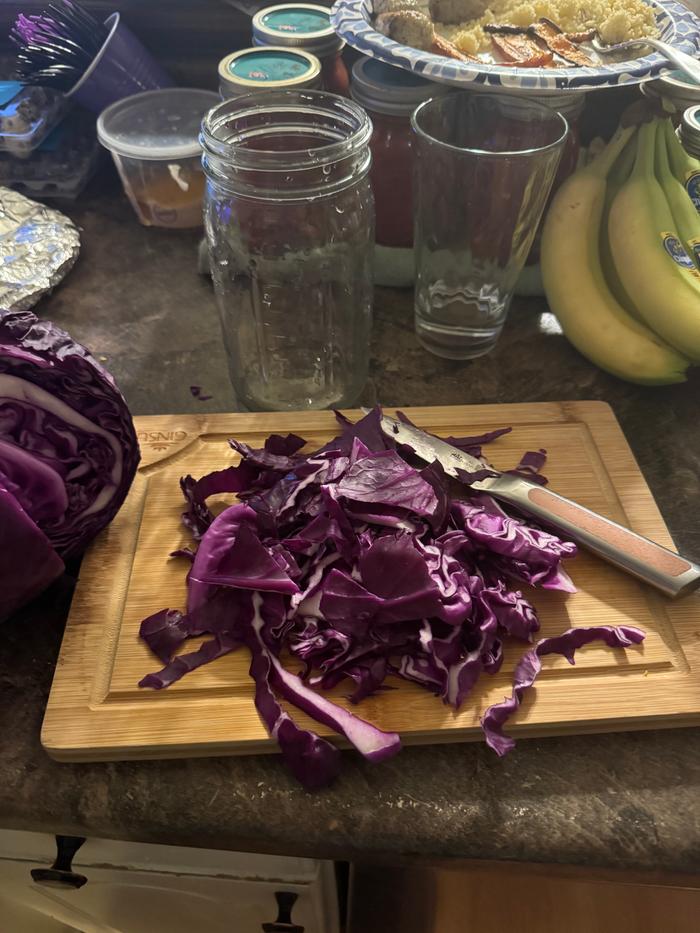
(267, 68)
(690, 131)
(569, 104)
(297, 25)
(676, 89)
(389, 90)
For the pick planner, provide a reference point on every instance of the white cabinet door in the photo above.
(146, 889)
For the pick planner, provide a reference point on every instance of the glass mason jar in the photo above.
(289, 216)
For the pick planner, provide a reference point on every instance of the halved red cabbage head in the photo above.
(68, 449)
(28, 563)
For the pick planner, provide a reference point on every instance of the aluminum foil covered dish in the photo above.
(38, 246)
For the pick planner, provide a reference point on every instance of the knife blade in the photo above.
(658, 566)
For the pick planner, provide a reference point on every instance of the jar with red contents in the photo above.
(305, 26)
(390, 95)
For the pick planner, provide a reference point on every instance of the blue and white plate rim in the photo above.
(677, 25)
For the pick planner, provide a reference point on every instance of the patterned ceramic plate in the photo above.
(677, 25)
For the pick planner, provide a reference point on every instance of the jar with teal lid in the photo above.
(273, 68)
(305, 26)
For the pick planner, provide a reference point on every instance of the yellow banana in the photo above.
(619, 173)
(653, 265)
(685, 217)
(590, 316)
(683, 165)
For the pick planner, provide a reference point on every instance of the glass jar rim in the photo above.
(488, 153)
(285, 103)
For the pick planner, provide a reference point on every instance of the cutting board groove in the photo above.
(97, 711)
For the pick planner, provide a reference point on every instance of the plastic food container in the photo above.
(272, 68)
(61, 166)
(27, 116)
(305, 26)
(153, 138)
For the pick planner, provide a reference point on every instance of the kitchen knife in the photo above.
(667, 571)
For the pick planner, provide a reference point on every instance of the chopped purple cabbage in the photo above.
(359, 565)
(530, 665)
(199, 393)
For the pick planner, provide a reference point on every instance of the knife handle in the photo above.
(667, 571)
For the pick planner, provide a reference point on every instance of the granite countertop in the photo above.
(626, 800)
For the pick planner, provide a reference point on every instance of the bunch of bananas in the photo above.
(621, 253)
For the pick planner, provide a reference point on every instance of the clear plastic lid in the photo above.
(156, 125)
(389, 90)
(27, 116)
(297, 25)
(267, 67)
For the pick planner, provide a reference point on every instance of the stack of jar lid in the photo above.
(294, 47)
(689, 131)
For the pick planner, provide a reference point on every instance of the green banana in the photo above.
(685, 217)
(653, 265)
(683, 165)
(590, 316)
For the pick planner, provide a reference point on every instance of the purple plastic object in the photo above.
(121, 68)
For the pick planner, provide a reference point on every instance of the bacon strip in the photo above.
(556, 42)
(521, 51)
(441, 46)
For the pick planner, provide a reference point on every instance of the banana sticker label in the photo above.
(678, 252)
(692, 186)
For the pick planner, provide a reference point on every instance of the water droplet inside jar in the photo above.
(339, 210)
(326, 169)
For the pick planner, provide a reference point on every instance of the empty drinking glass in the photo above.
(484, 167)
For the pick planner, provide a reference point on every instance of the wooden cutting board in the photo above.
(97, 711)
